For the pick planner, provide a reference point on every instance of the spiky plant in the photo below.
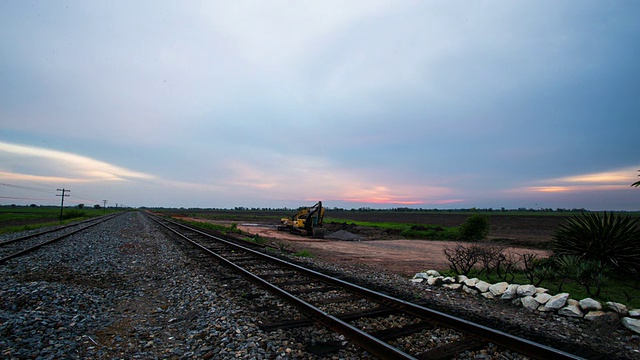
(611, 238)
(637, 183)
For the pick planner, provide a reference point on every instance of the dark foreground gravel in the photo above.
(127, 290)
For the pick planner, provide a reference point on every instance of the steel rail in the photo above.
(7, 242)
(37, 246)
(512, 342)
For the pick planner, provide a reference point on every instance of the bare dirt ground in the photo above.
(405, 257)
(523, 234)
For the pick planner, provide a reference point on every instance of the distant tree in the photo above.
(96, 206)
(637, 183)
(80, 206)
(33, 205)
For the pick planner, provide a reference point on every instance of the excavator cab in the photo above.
(307, 221)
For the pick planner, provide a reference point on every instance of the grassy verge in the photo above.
(408, 230)
(15, 219)
(255, 239)
(230, 229)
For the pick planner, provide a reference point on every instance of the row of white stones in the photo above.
(535, 298)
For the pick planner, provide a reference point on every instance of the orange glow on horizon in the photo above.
(560, 189)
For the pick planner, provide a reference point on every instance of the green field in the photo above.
(21, 218)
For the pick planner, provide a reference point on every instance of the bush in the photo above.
(432, 232)
(588, 273)
(72, 214)
(612, 239)
(462, 257)
(475, 228)
(537, 269)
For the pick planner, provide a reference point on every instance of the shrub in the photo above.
(536, 269)
(506, 265)
(72, 214)
(475, 228)
(488, 255)
(304, 253)
(612, 239)
(588, 273)
(462, 257)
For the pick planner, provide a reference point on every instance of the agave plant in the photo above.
(612, 239)
(637, 183)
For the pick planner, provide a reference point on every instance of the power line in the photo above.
(21, 198)
(27, 188)
(83, 198)
(48, 191)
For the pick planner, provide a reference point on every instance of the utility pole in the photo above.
(104, 206)
(62, 200)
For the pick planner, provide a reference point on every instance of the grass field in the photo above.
(22, 218)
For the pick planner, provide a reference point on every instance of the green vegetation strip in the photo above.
(15, 219)
(408, 230)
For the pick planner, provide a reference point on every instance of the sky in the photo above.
(380, 104)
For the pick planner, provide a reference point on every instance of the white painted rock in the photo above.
(572, 310)
(449, 280)
(452, 286)
(462, 278)
(421, 275)
(543, 308)
(558, 301)
(469, 290)
(499, 288)
(621, 309)
(433, 273)
(417, 280)
(594, 315)
(470, 282)
(589, 304)
(631, 324)
(511, 292)
(542, 298)
(526, 290)
(483, 286)
(528, 302)
(488, 295)
(435, 281)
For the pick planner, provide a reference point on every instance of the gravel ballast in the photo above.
(125, 289)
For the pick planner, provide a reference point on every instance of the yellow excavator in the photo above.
(307, 221)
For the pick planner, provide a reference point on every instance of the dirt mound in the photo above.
(344, 235)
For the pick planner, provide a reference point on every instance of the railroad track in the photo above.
(23, 245)
(359, 314)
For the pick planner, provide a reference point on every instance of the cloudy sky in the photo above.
(426, 104)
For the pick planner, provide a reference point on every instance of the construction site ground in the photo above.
(377, 249)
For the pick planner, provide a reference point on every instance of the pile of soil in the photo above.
(344, 235)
